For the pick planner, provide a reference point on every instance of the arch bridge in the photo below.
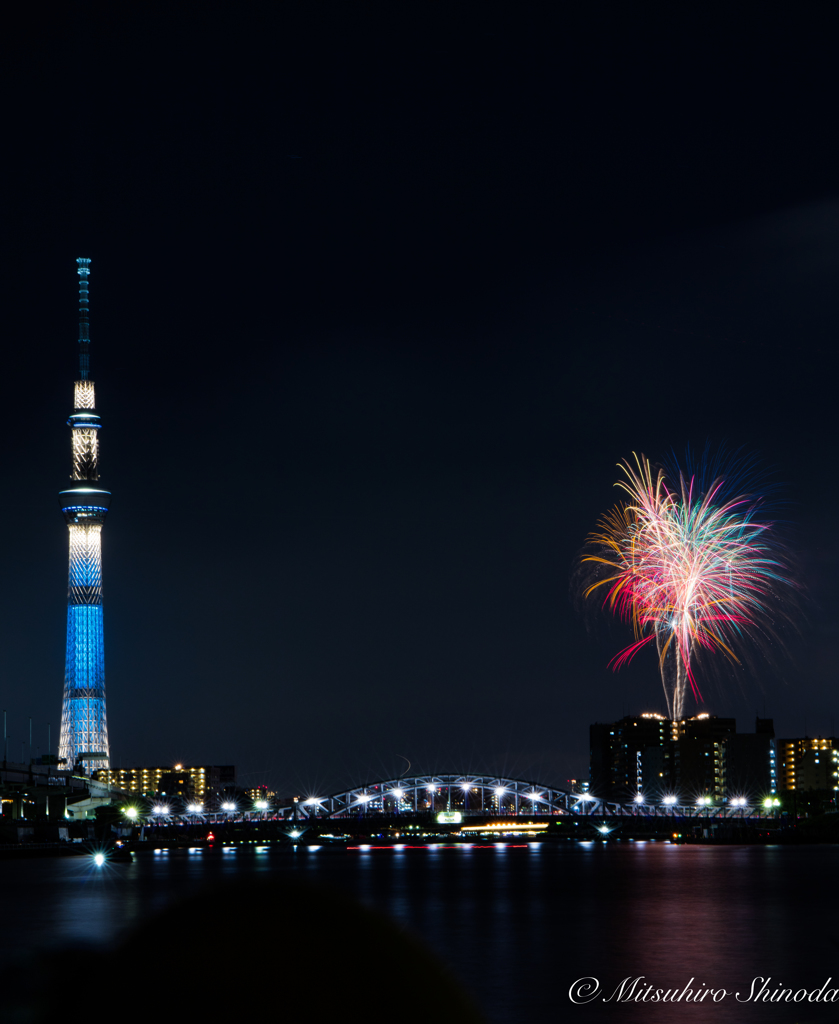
(468, 794)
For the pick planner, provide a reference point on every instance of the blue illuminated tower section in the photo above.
(84, 729)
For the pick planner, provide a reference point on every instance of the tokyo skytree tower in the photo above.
(84, 729)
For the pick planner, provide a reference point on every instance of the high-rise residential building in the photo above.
(620, 764)
(199, 781)
(808, 763)
(699, 755)
(702, 756)
(751, 761)
(83, 740)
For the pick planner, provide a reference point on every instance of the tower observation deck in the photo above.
(84, 729)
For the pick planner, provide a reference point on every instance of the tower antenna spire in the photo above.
(83, 742)
(84, 318)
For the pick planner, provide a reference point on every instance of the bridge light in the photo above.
(586, 797)
(261, 805)
(228, 806)
(432, 788)
(363, 798)
(398, 793)
(195, 808)
(767, 802)
(130, 812)
(312, 800)
(638, 798)
(669, 801)
(465, 787)
(500, 790)
(160, 809)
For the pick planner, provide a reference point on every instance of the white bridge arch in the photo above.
(469, 794)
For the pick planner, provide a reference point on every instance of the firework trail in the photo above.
(689, 567)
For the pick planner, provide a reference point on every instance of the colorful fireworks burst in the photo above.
(690, 568)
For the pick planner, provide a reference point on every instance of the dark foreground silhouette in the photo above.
(249, 951)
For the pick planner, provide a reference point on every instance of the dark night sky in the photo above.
(380, 295)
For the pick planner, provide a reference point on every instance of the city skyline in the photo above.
(375, 344)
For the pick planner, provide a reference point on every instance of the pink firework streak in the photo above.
(688, 570)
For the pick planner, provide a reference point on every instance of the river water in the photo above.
(518, 925)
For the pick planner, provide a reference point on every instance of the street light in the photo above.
(465, 786)
(130, 812)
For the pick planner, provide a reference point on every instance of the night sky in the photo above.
(380, 295)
